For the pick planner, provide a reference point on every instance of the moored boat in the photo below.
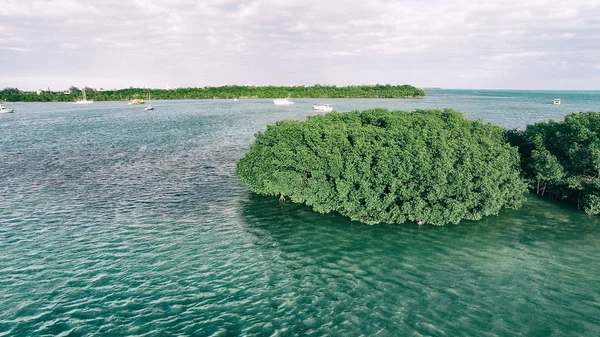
(136, 101)
(84, 99)
(283, 101)
(149, 107)
(5, 110)
(322, 107)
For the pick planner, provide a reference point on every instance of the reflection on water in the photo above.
(524, 272)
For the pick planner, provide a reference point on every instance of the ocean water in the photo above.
(120, 222)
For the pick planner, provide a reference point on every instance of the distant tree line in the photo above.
(225, 92)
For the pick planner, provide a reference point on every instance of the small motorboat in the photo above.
(136, 101)
(556, 101)
(322, 107)
(283, 101)
(5, 110)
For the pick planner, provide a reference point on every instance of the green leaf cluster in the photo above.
(225, 92)
(562, 159)
(427, 166)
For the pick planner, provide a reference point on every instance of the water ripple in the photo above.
(115, 222)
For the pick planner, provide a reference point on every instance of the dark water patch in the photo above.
(510, 269)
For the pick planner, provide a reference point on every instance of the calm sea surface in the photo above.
(116, 222)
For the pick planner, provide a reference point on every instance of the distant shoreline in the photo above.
(224, 92)
(223, 99)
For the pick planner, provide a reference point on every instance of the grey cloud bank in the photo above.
(452, 44)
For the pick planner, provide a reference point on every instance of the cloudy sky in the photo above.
(527, 44)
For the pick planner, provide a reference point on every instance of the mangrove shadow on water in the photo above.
(292, 226)
(539, 220)
(499, 274)
(516, 241)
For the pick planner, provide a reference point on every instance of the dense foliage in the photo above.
(562, 159)
(428, 166)
(317, 91)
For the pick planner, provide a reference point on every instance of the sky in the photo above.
(507, 44)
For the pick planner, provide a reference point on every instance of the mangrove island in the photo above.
(426, 166)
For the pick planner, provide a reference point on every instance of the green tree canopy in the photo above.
(428, 166)
(563, 158)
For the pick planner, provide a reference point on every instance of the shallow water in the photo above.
(116, 221)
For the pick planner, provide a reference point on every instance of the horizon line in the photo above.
(303, 85)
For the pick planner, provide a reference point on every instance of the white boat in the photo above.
(5, 110)
(283, 101)
(322, 107)
(235, 99)
(136, 101)
(83, 100)
(556, 101)
(149, 107)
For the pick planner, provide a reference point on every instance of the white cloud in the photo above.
(17, 49)
(456, 43)
(522, 55)
(45, 8)
(342, 53)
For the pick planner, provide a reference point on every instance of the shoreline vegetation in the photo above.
(223, 92)
(426, 166)
(561, 160)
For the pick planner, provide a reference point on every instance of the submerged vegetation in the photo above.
(427, 166)
(226, 92)
(561, 160)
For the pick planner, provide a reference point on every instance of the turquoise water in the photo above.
(115, 221)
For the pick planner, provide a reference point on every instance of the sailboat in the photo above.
(149, 107)
(83, 100)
